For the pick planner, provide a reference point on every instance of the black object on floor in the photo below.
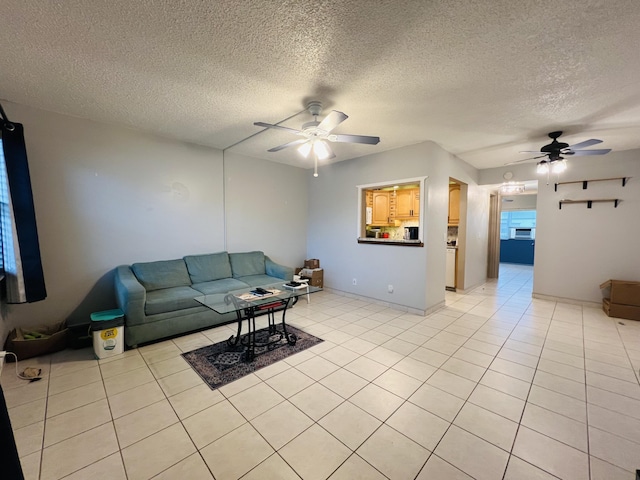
(220, 363)
(9, 460)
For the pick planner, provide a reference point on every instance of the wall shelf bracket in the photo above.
(586, 182)
(615, 201)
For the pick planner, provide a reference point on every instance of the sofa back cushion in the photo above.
(162, 274)
(206, 268)
(247, 263)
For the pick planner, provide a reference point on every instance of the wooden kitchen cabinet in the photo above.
(381, 208)
(454, 204)
(408, 203)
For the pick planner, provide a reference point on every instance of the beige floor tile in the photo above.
(121, 365)
(127, 381)
(340, 355)
(384, 356)
(621, 387)
(366, 368)
(519, 470)
(358, 345)
(191, 468)
(615, 423)
(272, 370)
(562, 370)
(343, 382)
(506, 384)
(31, 466)
(428, 356)
(239, 385)
(212, 423)
(612, 401)
(498, 402)
(556, 426)
(411, 336)
(451, 383)
(437, 401)
(355, 468)
(159, 351)
(378, 402)
(512, 369)
(523, 347)
(144, 422)
(393, 454)
(317, 367)
(398, 383)
(613, 449)
(520, 358)
(463, 369)
(273, 468)
(472, 455)
(550, 455)
(256, 400)
(168, 367)
(191, 342)
(476, 358)
(559, 403)
(179, 382)
(194, 400)
(399, 346)
(350, 424)
(28, 413)
(77, 452)
(601, 470)
(316, 401)
(29, 439)
(622, 373)
(415, 368)
(562, 357)
(156, 453)
(328, 453)
(436, 468)
(560, 385)
(438, 345)
(110, 468)
(289, 382)
(64, 402)
(25, 393)
(419, 425)
(131, 400)
(487, 425)
(69, 361)
(482, 347)
(281, 424)
(73, 422)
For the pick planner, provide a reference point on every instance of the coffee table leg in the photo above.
(290, 337)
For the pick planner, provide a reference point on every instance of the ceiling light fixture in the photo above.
(511, 188)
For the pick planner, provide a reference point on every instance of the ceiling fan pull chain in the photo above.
(315, 168)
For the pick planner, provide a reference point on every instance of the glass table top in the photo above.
(244, 298)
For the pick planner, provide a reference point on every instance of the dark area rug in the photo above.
(219, 364)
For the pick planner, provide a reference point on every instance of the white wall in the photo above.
(578, 248)
(106, 196)
(266, 205)
(519, 202)
(417, 274)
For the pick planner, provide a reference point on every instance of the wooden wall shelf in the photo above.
(615, 201)
(585, 182)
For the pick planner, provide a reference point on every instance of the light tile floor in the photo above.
(494, 385)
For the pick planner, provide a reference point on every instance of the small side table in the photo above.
(299, 279)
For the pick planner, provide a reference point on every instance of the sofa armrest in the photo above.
(274, 269)
(130, 294)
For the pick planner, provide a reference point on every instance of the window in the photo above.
(516, 219)
(392, 212)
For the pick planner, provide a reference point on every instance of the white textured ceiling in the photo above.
(484, 79)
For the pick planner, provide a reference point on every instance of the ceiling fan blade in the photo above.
(526, 159)
(278, 127)
(601, 151)
(586, 143)
(286, 145)
(332, 120)
(330, 150)
(354, 139)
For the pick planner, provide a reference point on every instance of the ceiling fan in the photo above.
(317, 133)
(555, 150)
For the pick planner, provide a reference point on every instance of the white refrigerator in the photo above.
(450, 279)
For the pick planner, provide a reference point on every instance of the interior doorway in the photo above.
(456, 235)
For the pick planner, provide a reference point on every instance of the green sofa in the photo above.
(158, 298)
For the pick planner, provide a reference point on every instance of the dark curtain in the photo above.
(24, 278)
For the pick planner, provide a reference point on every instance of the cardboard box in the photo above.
(55, 340)
(316, 279)
(622, 292)
(629, 312)
(312, 263)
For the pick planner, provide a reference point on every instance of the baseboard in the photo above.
(394, 306)
(570, 301)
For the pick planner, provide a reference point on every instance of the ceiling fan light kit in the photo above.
(317, 134)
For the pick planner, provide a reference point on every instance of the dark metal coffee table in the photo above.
(248, 306)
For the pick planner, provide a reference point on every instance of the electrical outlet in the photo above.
(390, 288)
(355, 282)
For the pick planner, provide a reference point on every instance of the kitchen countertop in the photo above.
(391, 241)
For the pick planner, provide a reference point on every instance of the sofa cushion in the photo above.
(247, 263)
(259, 280)
(223, 285)
(204, 268)
(162, 274)
(171, 300)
